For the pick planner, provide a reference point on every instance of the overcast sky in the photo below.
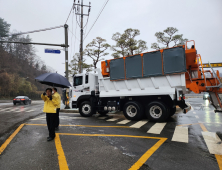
(199, 20)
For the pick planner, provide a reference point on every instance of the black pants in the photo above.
(57, 117)
(51, 122)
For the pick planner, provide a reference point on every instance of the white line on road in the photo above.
(156, 128)
(197, 117)
(30, 111)
(112, 120)
(213, 142)
(180, 134)
(139, 124)
(194, 112)
(5, 109)
(124, 122)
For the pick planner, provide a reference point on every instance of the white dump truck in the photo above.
(143, 85)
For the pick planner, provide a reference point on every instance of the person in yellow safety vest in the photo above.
(50, 105)
(58, 97)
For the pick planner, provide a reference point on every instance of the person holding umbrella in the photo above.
(50, 106)
(56, 95)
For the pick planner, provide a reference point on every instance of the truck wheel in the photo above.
(173, 111)
(157, 111)
(133, 110)
(85, 109)
(102, 113)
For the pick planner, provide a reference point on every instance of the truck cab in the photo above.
(83, 85)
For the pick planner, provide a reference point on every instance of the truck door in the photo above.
(78, 86)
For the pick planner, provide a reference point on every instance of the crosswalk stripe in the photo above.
(5, 109)
(197, 117)
(139, 124)
(124, 122)
(112, 120)
(156, 128)
(30, 111)
(180, 134)
(213, 142)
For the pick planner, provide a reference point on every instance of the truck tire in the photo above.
(173, 111)
(85, 109)
(102, 113)
(133, 110)
(157, 111)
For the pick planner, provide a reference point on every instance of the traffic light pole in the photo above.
(66, 50)
(66, 61)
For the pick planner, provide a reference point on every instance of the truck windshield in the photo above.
(78, 81)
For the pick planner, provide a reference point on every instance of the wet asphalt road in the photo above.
(12, 116)
(184, 142)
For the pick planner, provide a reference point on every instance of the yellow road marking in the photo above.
(111, 135)
(147, 155)
(61, 156)
(5, 144)
(142, 159)
(83, 126)
(203, 127)
(219, 161)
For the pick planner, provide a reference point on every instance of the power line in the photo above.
(96, 18)
(72, 34)
(46, 29)
(69, 13)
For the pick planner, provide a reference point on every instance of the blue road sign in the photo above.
(52, 51)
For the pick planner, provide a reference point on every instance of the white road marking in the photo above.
(197, 117)
(102, 117)
(180, 134)
(194, 112)
(39, 118)
(30, 111)
(21, 109)
(213, 142)
(124, 122)
(5, 109)
(156, 128)
(112, 120)
(139, 124)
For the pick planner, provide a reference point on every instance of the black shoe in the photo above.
(57, 129)
(49, 139)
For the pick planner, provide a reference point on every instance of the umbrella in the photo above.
(53, 79)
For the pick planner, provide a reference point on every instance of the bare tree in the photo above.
(96, 50)
(74, 66)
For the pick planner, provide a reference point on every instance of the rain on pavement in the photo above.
(185, 141)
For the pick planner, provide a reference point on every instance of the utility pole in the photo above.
(66, 60)
(66, 50)
(81, 27)
(81, 40)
